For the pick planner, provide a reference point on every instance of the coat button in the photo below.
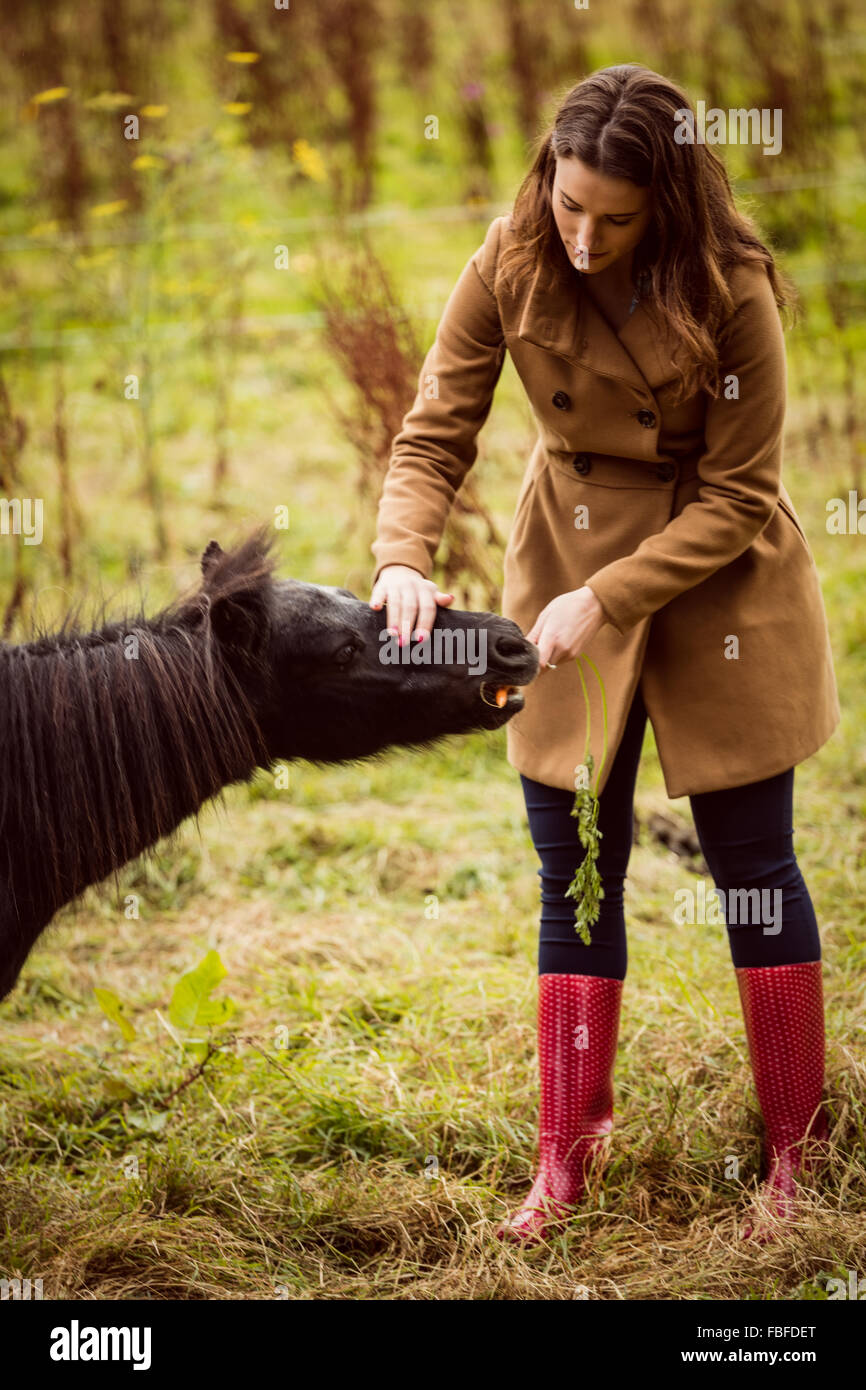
(581, 463)
(646, 418)
(562, 400)
(666, 471)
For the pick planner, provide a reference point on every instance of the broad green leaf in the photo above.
(114, 1009)
(148, 1124)
(191, 1005)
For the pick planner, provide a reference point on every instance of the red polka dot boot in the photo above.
(783, 1009)
(578, 1024)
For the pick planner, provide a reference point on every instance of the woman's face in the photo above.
(600, 219)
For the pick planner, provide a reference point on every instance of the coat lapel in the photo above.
(558, 318)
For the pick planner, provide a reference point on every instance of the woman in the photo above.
(653, 533)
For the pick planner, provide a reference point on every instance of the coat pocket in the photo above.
(526, 485)
(783, 506)
(534, 467)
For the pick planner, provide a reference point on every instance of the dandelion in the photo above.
(309, 159)
(49, 95)
(108, 209)
(109, 101)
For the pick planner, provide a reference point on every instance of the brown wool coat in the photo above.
(675, 516)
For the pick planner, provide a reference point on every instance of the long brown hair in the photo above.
(620, 121)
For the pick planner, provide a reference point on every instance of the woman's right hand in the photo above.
(411, 599)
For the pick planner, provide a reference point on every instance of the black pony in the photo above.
(109, 739)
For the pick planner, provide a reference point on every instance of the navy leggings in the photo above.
(746, 835)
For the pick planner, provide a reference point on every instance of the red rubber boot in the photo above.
(578, 1025)
(783, 1009)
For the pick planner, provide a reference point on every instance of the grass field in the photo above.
(370, 1110)
(359, 1124)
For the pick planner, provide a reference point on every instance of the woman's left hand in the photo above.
(566, 625)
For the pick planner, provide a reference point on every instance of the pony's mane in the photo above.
(108, 737)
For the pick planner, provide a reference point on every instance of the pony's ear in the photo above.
(239, 620)
(213, 552)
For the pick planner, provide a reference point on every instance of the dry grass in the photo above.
(370, 1041)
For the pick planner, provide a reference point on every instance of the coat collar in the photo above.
(557, 317)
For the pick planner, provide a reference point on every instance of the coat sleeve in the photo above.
(436, 445)
(739, 470)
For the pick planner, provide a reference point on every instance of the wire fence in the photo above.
(286, 229)
(395, 216)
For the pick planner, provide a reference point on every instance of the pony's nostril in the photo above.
(508, 647)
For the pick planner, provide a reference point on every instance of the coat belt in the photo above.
(609, 470)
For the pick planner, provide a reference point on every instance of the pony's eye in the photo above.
(345, 654)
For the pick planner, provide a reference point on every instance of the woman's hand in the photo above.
(411, 598)
(566, 625)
